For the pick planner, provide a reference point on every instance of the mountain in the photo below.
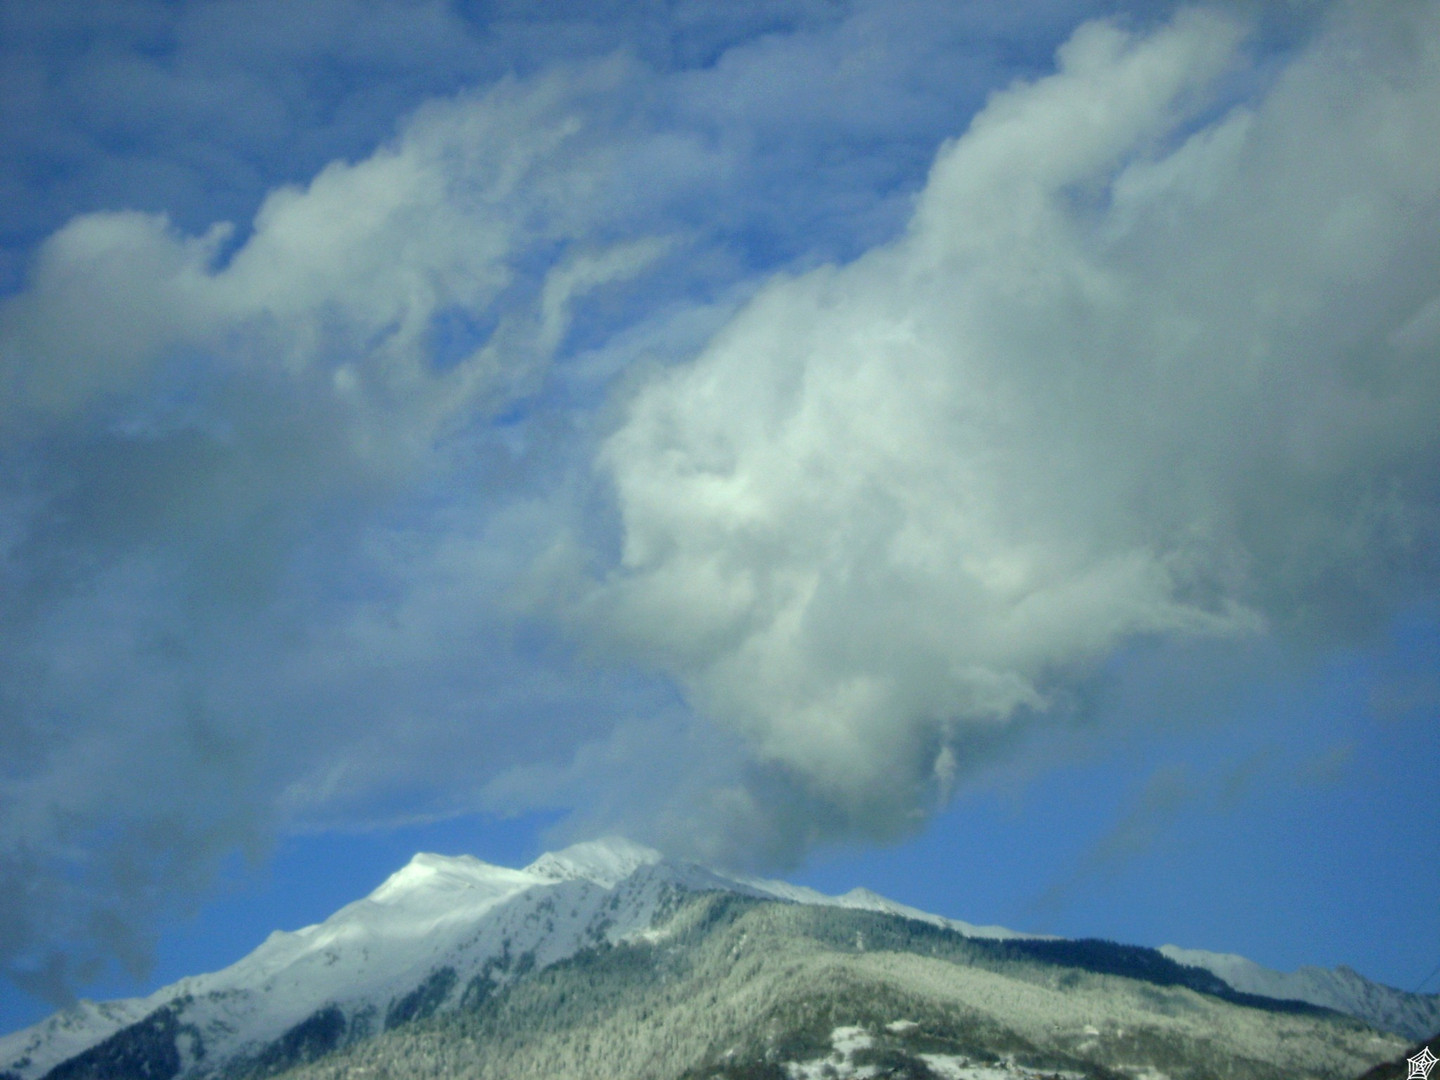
(1342, 989)
(605, 944)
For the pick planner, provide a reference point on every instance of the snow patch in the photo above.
(839, 1065)
(846, 1040)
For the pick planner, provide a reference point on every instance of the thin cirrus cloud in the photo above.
(496, 468)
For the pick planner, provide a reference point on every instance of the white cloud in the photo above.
(252, 537)
(340, 281)
(1132, 370)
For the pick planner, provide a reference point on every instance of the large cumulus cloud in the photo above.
(1148, 360)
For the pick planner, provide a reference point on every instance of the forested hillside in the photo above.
(727, 986)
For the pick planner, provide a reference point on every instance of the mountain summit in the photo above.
(606, 925)
(606, 862)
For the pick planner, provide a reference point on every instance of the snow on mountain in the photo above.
(864, 900)
(434, 927)
(606, 862)
(1343, 989)
(443, 930)
(33, 1051)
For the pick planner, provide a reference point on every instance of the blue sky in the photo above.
(986, 454)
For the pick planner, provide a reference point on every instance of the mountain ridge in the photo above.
(443, 931)
(737, 988)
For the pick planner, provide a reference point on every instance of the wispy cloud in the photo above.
(1167, 793)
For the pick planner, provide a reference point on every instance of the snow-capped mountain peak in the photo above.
(437, 929)
(606, 862)
(448, 875)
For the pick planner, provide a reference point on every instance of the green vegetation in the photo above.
(148, 1050)
(423, 1000)
(312, 1038)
